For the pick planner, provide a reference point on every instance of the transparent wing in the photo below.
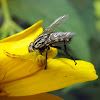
(55, 24)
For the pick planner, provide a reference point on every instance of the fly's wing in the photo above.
(55, 24)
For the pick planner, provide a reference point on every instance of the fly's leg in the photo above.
(47, 48)
(65, 50)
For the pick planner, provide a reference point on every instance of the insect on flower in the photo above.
(48, 38)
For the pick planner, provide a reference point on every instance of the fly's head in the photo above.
(31, 47)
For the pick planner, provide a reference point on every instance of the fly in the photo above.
(47, 38)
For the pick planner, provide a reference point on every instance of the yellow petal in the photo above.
(43, 96)
(19, 43)
(11, 67)
(15, 60)
(60, 73)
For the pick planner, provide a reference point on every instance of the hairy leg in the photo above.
(65, 50)
(47, 48)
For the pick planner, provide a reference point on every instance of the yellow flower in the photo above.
(22, 73)
(42, 96)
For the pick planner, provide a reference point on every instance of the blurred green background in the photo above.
(84, 20)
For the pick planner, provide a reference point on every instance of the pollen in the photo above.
(40, 60)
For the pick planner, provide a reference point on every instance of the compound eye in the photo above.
(31, 47)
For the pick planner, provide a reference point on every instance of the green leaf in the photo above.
(85, 10)
(32, 11)
(73, 87)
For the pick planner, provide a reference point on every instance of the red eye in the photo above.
(28, 49)
(31, 47)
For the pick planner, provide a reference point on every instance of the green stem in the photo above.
(6, 14)
(9, 26)
(16, 27)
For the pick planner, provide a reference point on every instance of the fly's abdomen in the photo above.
(57, 37)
